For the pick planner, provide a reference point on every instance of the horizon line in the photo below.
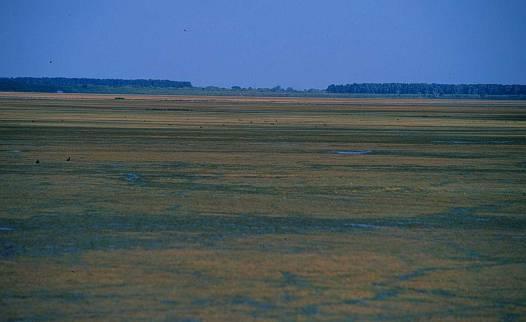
(253, 87)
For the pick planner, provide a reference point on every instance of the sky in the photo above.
(297, 43)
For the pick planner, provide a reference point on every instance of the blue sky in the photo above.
(303, 44)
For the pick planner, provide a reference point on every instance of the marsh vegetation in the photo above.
(223, 208)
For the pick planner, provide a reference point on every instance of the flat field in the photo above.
(236, 209)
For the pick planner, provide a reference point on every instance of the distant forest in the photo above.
(424, 89)
(60, 84)
(168, 87)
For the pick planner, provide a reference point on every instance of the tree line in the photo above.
(94, 85)
(46, 84)
(425, 89)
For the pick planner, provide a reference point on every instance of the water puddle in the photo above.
(352, 152)
(132, 177)
(499, 142)
(6, 229)
(465, 142)
(416, 274)
(367, 226)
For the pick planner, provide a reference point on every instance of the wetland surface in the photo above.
(236, 209)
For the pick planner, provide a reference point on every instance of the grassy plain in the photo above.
(225, 209)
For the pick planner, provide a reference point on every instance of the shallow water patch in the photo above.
(54, 235)
(132, 177)
(366, 226)
(8, 249)
(416, 274)
(472, 142)
(352, 152)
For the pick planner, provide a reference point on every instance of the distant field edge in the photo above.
(262, 94)
(192, 97)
